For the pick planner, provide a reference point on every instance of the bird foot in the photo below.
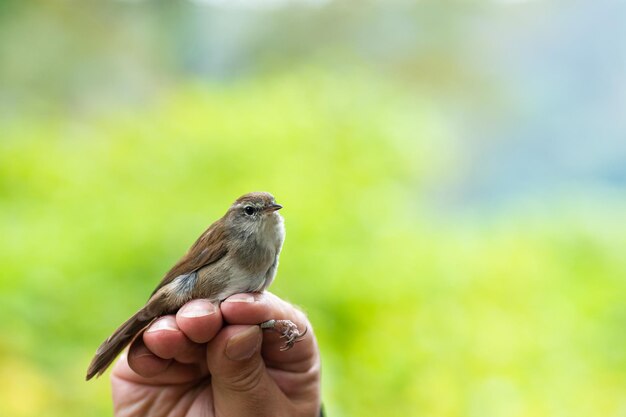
(287, 330)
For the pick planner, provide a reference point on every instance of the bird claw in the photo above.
(287, 330)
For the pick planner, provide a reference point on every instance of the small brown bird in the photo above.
(238, 253)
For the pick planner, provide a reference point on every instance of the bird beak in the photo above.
(273, 207)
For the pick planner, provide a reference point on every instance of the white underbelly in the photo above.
(241, 281)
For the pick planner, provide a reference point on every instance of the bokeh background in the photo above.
(453, 175)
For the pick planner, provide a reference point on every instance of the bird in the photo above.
(238, 253)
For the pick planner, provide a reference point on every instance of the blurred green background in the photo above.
(453, 175)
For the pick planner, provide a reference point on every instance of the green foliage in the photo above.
(418, 313)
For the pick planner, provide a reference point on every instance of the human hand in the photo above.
(210, 361)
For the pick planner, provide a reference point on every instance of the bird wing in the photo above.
(209, 248)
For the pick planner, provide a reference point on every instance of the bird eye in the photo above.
(249, 210)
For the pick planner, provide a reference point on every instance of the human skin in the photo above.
(216, 362)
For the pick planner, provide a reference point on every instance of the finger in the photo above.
(241, 385)
(139, 365)
(258, 308)
(144, 367)
(144, 362)
(167, 341)
(200, 320)
(164, 338)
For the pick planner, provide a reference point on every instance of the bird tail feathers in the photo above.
(110, 348)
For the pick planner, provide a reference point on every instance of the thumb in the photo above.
(241, 385)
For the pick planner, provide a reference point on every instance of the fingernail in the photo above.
(240, 298)
(243, 345)
(165, 323)
(142, 351)
(197, 308)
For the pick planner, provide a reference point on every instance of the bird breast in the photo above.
(249, 266)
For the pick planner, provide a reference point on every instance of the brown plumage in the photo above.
(237, 253)
(199, 254)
